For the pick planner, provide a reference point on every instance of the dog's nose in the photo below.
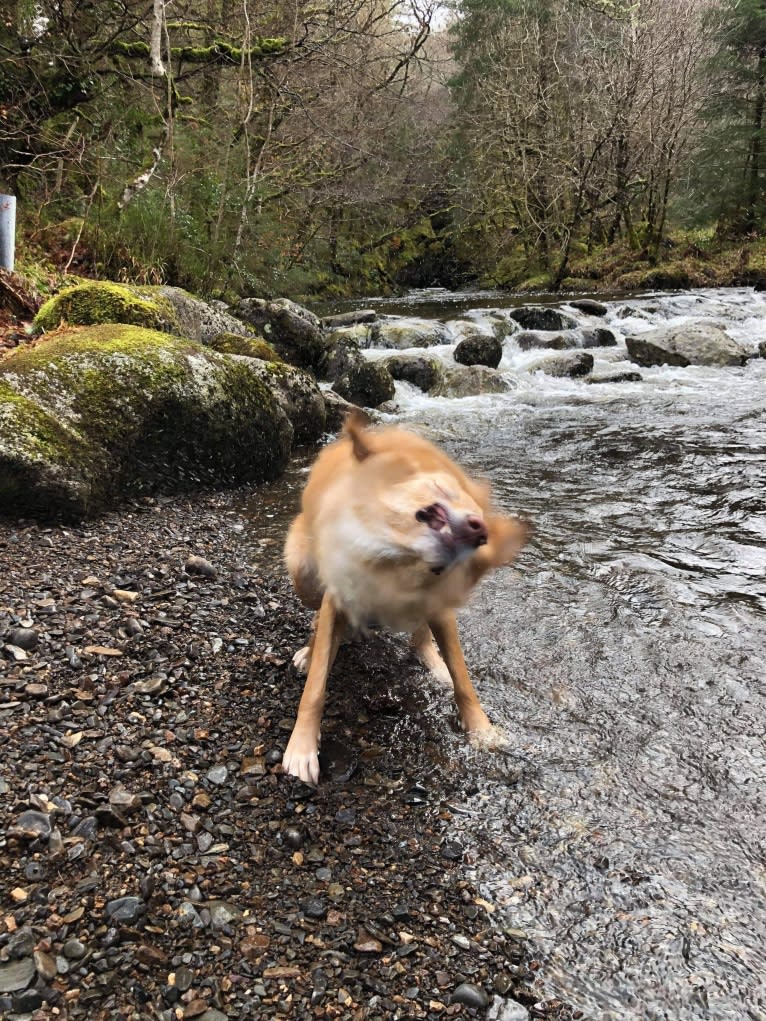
(475, 530)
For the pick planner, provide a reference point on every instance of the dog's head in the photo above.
(425, 509)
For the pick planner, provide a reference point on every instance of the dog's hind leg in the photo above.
(301, 756)
(422, 644)
(473, 719)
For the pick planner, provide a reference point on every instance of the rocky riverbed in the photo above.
(155, 861)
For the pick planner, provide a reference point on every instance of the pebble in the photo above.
(198, 565)
(125, 910)
(470, 995)
(218, 774)
(24, 638)
(32, 824)
(16, 975)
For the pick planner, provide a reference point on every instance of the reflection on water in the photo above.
(626, 654)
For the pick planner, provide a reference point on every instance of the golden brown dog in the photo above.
(392, 534)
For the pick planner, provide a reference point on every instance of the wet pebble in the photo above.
(24, 638)
(30, 825)
(200, 566)
(470, 995)
(16, 975)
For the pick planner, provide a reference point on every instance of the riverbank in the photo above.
(156, 862)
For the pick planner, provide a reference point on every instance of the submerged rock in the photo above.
(92, 415)
(528, 340)
(695, 343)
(600, 337)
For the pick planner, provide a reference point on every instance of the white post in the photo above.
(7, 231)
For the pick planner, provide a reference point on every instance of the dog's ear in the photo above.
(507, 536)
(355, 427)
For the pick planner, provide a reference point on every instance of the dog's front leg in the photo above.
(473, 719)
(301, 756)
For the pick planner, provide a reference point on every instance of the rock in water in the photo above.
(695, 343)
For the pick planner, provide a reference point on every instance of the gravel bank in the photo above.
(155, 862)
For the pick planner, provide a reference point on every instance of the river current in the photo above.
(625, 654)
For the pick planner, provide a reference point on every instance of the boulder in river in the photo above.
(599, 337)
(471, 381)
(405, 333)
(588, 306)
(423, 371)
(92, 415)
(479, 349)
(542, 317)
(356, 318)
(368, 384)
(570, 363)
(528, 340)
(694, 343)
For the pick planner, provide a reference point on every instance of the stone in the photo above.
(294, 332)
(401, 333)
(421, 371)
(470, 995)
(479, 350)
(24, 638)
(617, 377)
(362, 315)
(368, 384)
(30, 825)
(542, 317)
(598, 337)
(471, 380)
(695, 343)
(92, 416)
(528, 340)
(588, 306)
(571, 363)
(125, 910)
(16, 975)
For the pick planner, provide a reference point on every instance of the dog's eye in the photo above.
(421, 515)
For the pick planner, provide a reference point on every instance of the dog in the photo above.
(391, 534)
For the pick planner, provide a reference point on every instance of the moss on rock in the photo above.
(102, 412)
(250, 347)
(105, 302)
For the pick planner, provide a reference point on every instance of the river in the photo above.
(626, 655)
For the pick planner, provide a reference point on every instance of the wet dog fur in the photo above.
(391, 534)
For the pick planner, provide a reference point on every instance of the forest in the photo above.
(340, 147)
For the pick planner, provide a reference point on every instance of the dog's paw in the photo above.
(302, 659)
(301, 759)
(489, 739)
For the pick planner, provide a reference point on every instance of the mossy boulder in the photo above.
(297, 394)
(293, 331)
(95, 414)
(104, 302)
(368, 384)
(169, 309)
(249, 346)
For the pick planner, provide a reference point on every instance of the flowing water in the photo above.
(626, 655)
